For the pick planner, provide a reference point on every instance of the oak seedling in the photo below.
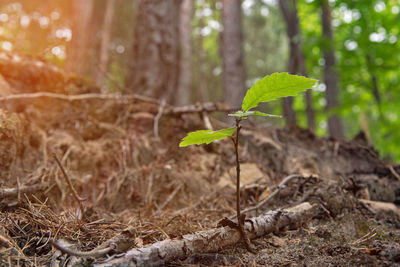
(271, 87)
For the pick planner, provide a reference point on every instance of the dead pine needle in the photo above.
(71, 187)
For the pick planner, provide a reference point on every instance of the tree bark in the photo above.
(105, 42)
(160, 253)
(201, 73)
(78, 47)
(335, 124)
(232, 53)
(155, 55)
(296, 63)
(185, 67)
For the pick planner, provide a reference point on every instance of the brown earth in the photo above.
(139, 189)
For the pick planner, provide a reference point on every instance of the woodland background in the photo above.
(189, 51)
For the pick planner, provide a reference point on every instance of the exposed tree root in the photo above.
(213, 240)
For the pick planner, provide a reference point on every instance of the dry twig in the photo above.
(74, 193)
(85, 254)
(393, 171)
(170, 197)
(365, 237)
(278, 189)
(157, 118)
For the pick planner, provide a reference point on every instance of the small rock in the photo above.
(277, 241)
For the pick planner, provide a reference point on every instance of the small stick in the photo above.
(170, 197)
(86, 254)
(393, 171)
(74, 193)
(200, 108)
(365, 238)
(265, 200)
(12, 192)
(157, 118)
(206, 121)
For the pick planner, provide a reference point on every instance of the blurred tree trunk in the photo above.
(232, 53)
(155, 54)
(185, 68)
(296, 61)
(78, 47)
(335, 123)
(201, 81)
(105, 42)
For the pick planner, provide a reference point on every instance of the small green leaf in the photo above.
(205, 136)
(275, 86)
(259, 113)
(242, 114)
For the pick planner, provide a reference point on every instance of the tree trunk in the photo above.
(155, 55)
(310, 113)
(78, 47)
(232, 52)
(105, 42)
(185, 67)
(296, 63)
(201, 73)
(335, 123)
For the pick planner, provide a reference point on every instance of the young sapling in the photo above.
(269, 88)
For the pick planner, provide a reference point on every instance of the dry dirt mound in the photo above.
(134, 189)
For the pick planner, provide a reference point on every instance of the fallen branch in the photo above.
(205, 107)
(80, 97)
(210, 241)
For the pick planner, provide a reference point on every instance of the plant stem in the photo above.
(236, 143)
(239, 217)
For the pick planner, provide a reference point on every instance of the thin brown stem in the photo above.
(236, 143)
(239, 217)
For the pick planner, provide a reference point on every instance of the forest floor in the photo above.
(135, 186)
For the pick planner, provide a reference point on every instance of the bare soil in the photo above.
(139, 189)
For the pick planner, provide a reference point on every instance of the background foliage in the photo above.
(366, 42)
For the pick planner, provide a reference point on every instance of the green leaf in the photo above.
(275, 86)
(205, 136)
(242, 114)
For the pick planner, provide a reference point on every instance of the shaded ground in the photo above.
(141, 188)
